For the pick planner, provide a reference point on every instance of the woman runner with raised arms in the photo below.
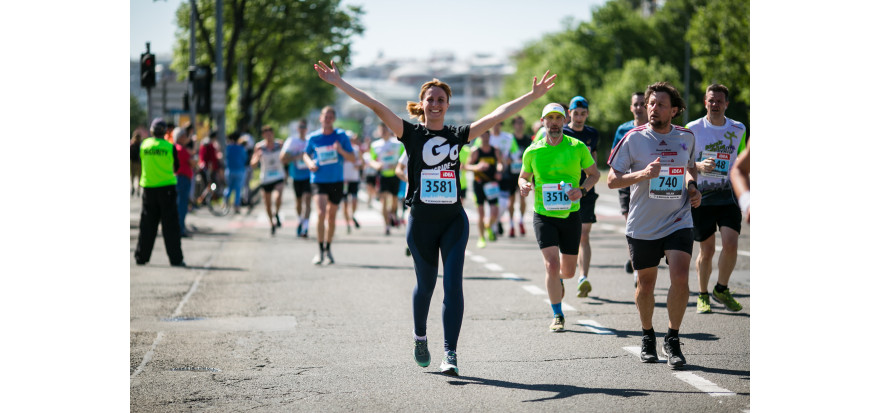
(437, 216)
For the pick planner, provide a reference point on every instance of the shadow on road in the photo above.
(561, 391)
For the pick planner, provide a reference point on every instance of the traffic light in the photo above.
(201, 77)
(148, 70)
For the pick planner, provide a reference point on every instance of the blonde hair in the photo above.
(415, 109)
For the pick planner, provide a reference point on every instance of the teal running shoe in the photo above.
(449, 366)
(421, 354)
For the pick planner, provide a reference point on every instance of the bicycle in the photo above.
(217, 204)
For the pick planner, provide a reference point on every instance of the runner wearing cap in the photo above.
(579, 111)
(640, 117)
(438, 225)
(719, 141)
(158, 165)
(662, 159)
(556, 162)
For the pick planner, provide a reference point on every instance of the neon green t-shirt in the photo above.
(552, 165)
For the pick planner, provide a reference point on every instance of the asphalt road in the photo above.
(252, 325)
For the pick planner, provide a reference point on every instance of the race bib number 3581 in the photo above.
(438, 187)
(669, 185)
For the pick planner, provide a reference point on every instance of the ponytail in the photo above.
(415, 110)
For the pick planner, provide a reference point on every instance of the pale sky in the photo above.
(462, 26)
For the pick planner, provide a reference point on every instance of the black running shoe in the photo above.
(356, 224)
(628, 267)
(649, 349)
(672, 351)
(277, 220)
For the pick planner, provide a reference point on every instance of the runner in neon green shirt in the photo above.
(555, 162)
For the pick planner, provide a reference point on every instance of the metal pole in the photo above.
(192, 62)
(221, 115)
(149, 99)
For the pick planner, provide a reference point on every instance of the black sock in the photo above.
(321, 245)
(648, 332)
(720, 288)
(704, 293)
(671, 333)
(327, 246)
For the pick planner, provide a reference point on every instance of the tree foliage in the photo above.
(269, 47)
(137, 116)
(621, 51)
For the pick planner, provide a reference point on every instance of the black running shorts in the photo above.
(647, 253)
(332, 190)
(709, 218)
(564, 233)
(302, 187)
(588, 208)
(389, 184)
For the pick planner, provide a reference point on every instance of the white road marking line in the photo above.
(512, 276)
(534, 290)
(565, 306)
(594, 327)
(149, 355)
(478, 258)
(700, 383)
(493, 267)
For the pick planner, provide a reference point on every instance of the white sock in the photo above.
(423, 338)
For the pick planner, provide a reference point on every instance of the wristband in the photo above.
(691, 182)
(583, 192)
(744, 201)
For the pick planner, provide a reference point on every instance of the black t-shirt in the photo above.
(590, 137)
(432, 150)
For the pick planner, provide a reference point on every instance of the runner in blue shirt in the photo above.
(323, 151)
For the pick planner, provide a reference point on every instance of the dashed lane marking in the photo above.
(700, 383)
(534, 290)
(594, 327)
(493, 267)
(512, 276)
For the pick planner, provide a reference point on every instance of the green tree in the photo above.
(621, 50)
(269, 47)
(137, 116)
(719, 38)
(609, 105)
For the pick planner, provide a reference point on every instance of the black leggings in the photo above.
(434, 231)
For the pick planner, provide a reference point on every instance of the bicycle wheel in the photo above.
(216, 204)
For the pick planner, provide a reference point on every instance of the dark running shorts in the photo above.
(588, 208)
(390, 184)
(709, 218)
(351, 188)
(647, 253)
(564, 233)
(481, 195)
(332, 190)
(302, 187)
(623, 194)
(271, 186)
